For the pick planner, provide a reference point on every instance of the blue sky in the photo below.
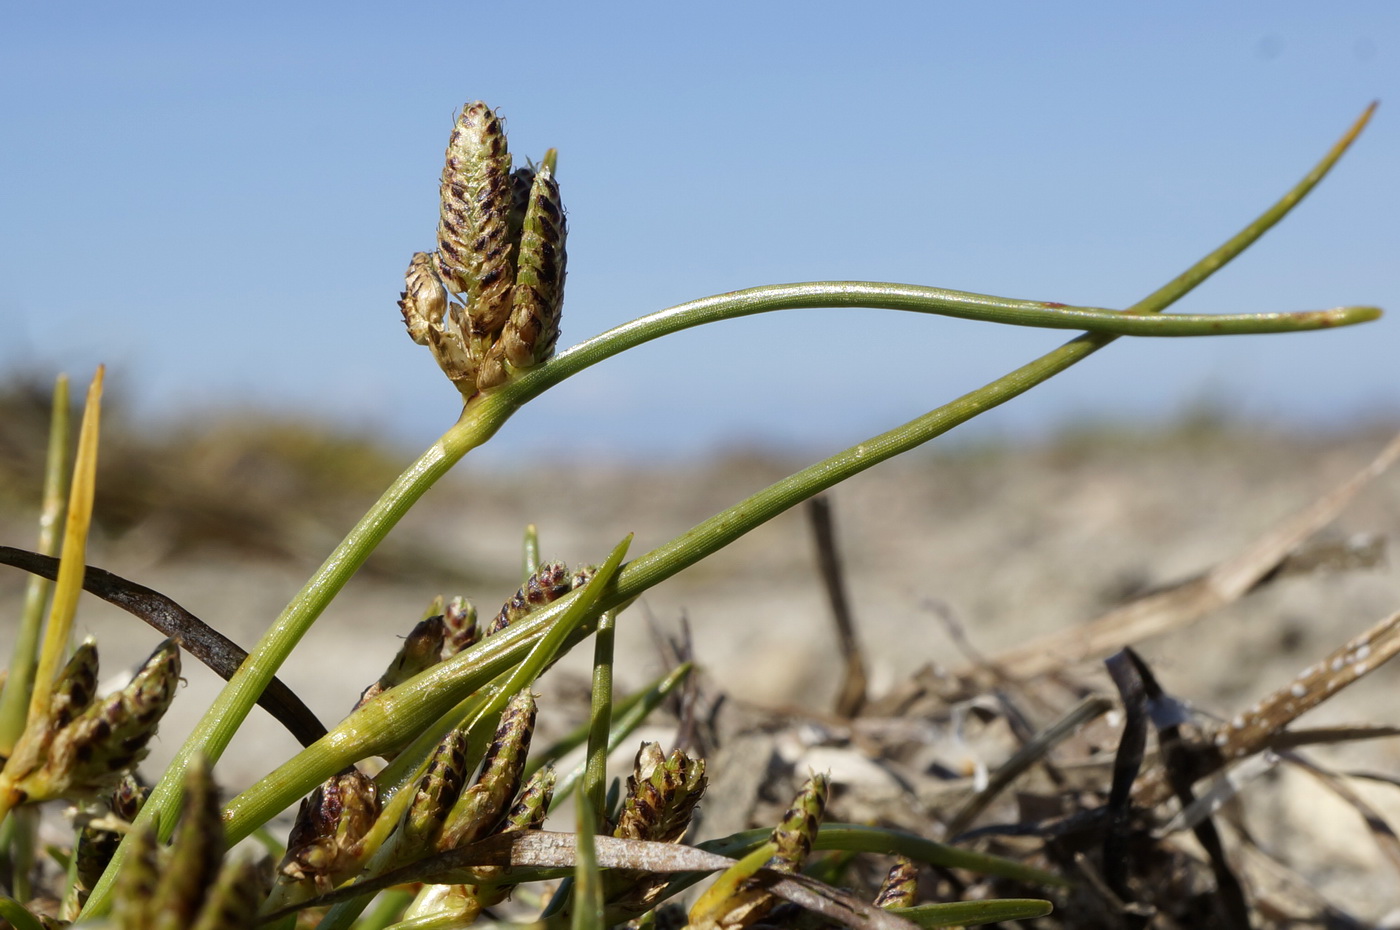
(219, 201)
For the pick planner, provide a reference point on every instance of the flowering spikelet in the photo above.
(76, 686)
(738, 899)
(797, 831)
(424, 299)
(901, 885)
(459, 618)
(91, 752)
(324, 845)
(466, 902)
(532, 806)
(421, 649)
(437, 791)
(481, 808)
(475, 249)
(549, 583)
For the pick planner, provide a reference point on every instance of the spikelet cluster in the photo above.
(487, 301)
(328, 841)
(82, 747)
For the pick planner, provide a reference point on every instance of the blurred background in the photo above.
(219, 203)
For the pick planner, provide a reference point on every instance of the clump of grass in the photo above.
(424, 807)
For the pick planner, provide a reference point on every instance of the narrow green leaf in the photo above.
(14, 912)
(971, 913)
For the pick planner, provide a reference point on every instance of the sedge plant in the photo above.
(458, 801)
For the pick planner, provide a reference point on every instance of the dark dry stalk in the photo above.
(851, 697)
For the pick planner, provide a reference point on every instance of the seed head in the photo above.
(662, 792)
(459, 616)
(798, 829)
(474, 244)
(550, 582)
(437, 791)
(533, 329)
(76, 686)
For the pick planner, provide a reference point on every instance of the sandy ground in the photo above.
(1012, 542)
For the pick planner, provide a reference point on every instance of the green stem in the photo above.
(595, 773)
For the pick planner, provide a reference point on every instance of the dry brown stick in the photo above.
(852, 696)
(1088, 709)
(1311, 736)
(1184, 605)
(1256, 729)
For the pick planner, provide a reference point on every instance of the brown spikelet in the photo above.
(483, 806)
(797, 831)
(421, 649)
(662, 792)
(661, 795)
(437, 791)
(901, 885)
(487, 301)
(550, 582)
(459, 618)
